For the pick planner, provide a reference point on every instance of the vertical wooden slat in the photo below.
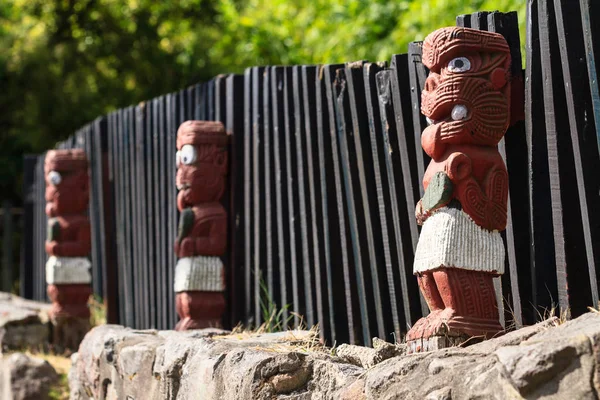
(379, 146)
(158, 193)
(580, 105)
(590, 14)
(291, 184)
(257, 190)
(248, 232)
(281, 203)
(369, 228)
(339, 237)
(313, 143)
(29, 228)
(553, 103)
(305, 254)
(235, 127)
(267, 182)
(220, 98)
(344, 132)
(418, 75)
(544, 280)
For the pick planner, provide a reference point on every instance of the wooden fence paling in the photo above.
(332, 229)
(562, 177)
(295, 235)
(29, 227)
(418, 74)
(248, 233)
(235, 126)
(7, 239)
(579, 106)
(281, 222)
(258, 189)
(267, 180)
(304, 213)
(347, 155)
(341, 238)
(540, 222)
(590, 14)
(379, 146)
(317, 199)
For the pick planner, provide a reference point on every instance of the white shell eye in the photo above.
(187, 154)
(54, 178)
(177, 159)
(459, 64)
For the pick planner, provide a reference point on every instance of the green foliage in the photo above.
(273, 316)
(331, 31)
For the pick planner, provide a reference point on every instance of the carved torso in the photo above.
(467, 102)
(69, 236)
(67, 196)
(203, 231)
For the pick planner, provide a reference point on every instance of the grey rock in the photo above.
(540, 361)
(366, 357)
(116, 362)
(23, 323)
(25, 378)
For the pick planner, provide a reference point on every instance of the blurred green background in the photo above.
(65, 62)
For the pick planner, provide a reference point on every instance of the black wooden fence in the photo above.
(326, 169)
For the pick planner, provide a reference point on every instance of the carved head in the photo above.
(467, 94)
(67, 183)
(202, 162)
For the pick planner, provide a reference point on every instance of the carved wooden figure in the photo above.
(68, 244)
(466, 100)
(202, 166)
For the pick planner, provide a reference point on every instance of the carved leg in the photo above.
(69, 314)
(199, 310)
(470, 302)
(434, 301)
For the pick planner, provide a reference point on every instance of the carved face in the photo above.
(67, 183)
(466, 96)
(201, 162)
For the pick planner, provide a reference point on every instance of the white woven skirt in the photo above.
(450, 238)
(202, 273)
(68, 270)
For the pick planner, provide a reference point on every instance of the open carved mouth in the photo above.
(458, 113)
(183, 186)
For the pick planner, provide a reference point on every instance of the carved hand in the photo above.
(437, 195)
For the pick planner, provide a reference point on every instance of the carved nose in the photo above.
(432, 82)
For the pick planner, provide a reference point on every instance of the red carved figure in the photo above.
(466, 100)
(202, 166)
(68, 244)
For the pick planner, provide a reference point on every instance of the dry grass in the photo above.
(97, 311)
(297, 340)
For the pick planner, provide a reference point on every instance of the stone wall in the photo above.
(544, 360)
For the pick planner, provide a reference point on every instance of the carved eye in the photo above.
(187, 154)
(459, 64)
(54, 178)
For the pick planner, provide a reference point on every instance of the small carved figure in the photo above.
(202, 166)
(466, 100)
(68, 244)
